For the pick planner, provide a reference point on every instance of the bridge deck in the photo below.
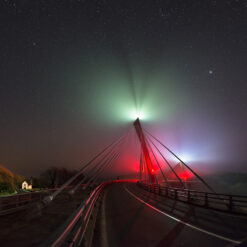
(125, 220)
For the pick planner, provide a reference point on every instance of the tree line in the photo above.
(50, 178)
(9, 182)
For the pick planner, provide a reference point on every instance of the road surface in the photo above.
(131, 216)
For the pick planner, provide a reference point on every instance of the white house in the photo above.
(26, 186)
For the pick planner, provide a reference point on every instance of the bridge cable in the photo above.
(100, 169)
(120, 148)
(167, 163)
(144, 167)
(181, 162)
(86, 177)
(116, 156)
(105, 156)
(140, 175)
(168, 184)
(102, 165)
(102, 153)
(49, 198)
(99, 163)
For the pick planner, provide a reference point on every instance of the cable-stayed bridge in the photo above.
(167, 204)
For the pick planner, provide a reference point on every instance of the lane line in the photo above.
(183, 222)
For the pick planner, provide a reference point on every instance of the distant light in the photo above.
(136, 114)
(152, 170)
(210, 72)
(185, 175)
(185, 157)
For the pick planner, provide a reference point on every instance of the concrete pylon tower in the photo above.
(144, 148)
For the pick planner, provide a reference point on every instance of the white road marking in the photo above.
(185, 223)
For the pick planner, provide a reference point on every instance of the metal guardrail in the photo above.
(228, 203)
(11, 204)
(15, 203)
(72, 232)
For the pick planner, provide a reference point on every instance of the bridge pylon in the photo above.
(145, 150)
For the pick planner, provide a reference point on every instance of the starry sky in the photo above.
(74, 73)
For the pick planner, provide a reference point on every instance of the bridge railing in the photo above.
(14, 203)
(17, 202)
(72, 232)
(223, 202)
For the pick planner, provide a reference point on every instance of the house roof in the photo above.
(28, 181)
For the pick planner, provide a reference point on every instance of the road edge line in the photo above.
(183, 222)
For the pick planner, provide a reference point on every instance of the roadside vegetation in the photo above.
(53, 177)
(9, 182)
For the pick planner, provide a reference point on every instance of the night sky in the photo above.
(73, 74)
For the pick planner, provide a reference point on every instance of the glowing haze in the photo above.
(75, 78)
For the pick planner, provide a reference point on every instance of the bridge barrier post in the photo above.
(188, 196)
(175, 193)
(159, 192)
(30, 197)
(17, 201)
(166, 191)
(230, 203)
(206, 199)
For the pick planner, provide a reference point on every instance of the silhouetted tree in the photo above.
(49, 176)
(36, 183)
(54, 177)
(18, 180)
(64, 175)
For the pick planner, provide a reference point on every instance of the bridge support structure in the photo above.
(144, 150)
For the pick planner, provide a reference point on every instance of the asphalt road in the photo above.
(130, 216)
